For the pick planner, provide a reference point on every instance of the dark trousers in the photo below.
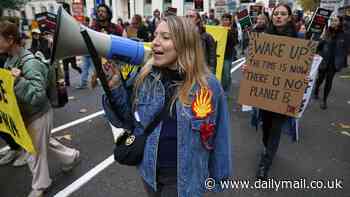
(272, 129)
(327, 75)
(8, 139)
(166, 184)
(73, 62)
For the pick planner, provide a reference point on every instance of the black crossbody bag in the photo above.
(129, 148)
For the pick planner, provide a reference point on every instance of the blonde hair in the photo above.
(190, 59)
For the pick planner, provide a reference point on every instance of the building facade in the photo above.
(125, 9)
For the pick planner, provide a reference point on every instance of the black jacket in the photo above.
(41, 45)
(232, 41)
(334, 52)
(209, 46)
(3, 58)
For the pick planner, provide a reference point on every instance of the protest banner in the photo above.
(11, 121)
(46, 22)
(254, 11)
(198, 5)
(219, 33)
(220, 8)
(312, 76)
(319, 20)
(276, 78)
(244, 19)
(232, 6)
(330, 4)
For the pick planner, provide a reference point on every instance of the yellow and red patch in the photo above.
(202, 104)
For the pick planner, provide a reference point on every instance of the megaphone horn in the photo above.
(68, 42)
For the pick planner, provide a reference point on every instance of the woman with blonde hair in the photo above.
(191, 142)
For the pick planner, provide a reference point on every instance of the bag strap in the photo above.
(152, 125)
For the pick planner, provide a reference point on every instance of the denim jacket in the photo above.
(194, 163)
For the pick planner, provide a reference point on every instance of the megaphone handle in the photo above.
(100, 73)
(97, 62)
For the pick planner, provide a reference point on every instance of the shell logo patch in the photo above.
(202, 106)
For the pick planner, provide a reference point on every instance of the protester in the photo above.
(302, 31)
(154, 21)
(262, 23)
(103, 23)
(39, 43)
(120, 22)
(15, 153)
(281, 24)
(272, 123)
(208, 42)
(333, 49)
(186, 147)
(137, 30)
(30, 90)
(211, 19)
(230, 51)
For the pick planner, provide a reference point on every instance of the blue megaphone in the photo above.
(68, 42)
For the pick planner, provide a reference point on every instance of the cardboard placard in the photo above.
(319, 20)
(276, 78)
(244, 19)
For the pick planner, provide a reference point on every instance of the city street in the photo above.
(321, 154)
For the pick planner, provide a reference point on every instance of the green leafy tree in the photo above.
(309, 5)
(12, 4)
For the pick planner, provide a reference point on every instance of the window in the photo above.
(33, 11)
(167, 1)
(51, 8)
(43, 9)
(189, 1)
(148, 1)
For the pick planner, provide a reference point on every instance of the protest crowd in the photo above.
(183, 86)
